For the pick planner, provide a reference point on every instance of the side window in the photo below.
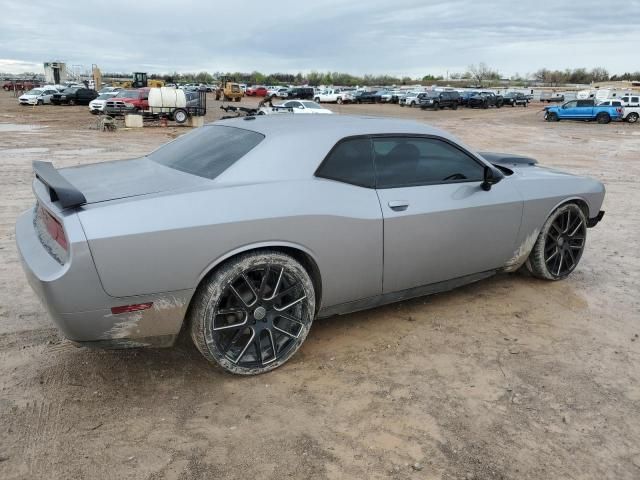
(572, 104)
(350, 161)
(413, 161)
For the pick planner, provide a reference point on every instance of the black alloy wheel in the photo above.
(256, 313)
(560, 244)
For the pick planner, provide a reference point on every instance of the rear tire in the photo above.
(560, 244)
(632, 117)
(256, 300)
(180, 115)
(317, 99)
(603, 118)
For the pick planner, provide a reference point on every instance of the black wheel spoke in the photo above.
(244, 349)
(263, 283)
(574, 230)
(277, 285)
(286, 292)
(232, 340)
(290, 304)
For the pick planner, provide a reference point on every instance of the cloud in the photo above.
(408, 37)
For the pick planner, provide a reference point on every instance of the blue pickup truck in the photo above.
(583, 110)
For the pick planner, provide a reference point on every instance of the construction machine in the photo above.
(229, 90)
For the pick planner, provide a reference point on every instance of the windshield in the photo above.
(71, 90)
(127, 94)
(104, 96)
(207, 151)
(35, 91)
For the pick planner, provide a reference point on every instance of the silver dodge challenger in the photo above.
(247, 229)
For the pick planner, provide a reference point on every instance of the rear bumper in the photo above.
(592, 222)
(78, 305)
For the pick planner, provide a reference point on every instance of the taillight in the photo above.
(54, 227)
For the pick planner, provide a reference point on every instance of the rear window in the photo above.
(207, 151)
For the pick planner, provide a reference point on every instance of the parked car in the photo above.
(631, 100)
(484, 100)
(124, 253)
(20, 85)
(305, 106)
(438, 100)
(515, 98)
(466, 95)
(550, 97)
(74, 96)
(300, 93)
(366, 97)
(256, 91)
(97, 105)
(128, 101)
(37, 96)
(629, 114)
(583, 110)
(412, 99)
(333, 95)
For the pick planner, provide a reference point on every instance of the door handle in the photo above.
(398, 205)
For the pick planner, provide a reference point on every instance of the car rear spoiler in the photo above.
(507, 159)
(59, 187)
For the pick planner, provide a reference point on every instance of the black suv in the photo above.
(74, 96)
(302, 93)
(438, 100)
(485, 100)
(515, 98)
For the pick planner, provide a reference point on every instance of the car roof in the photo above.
(294, 145)
(338, 126)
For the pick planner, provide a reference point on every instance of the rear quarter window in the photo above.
(207, 151)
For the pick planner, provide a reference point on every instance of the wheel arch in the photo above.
(299, 252)
(581, 202)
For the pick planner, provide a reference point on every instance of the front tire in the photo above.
(253, 313)
(632, 117)
(560, 244)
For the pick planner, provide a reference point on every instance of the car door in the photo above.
(570, 110)
(439, 223)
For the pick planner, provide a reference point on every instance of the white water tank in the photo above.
(166, 99)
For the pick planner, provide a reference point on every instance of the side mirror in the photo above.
(491, 177)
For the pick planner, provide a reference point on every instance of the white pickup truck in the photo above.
(630, 114)
(333, 96)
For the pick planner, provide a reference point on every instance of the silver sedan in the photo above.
(248, 229)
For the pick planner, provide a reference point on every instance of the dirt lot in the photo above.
(510, 378)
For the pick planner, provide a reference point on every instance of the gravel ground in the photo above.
(509, 378)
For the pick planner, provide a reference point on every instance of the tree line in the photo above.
(477, 74)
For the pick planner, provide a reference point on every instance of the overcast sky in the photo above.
(400, 37)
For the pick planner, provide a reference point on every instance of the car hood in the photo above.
(101, 182)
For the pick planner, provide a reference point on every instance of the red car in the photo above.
(256, 91)
(19, 85)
